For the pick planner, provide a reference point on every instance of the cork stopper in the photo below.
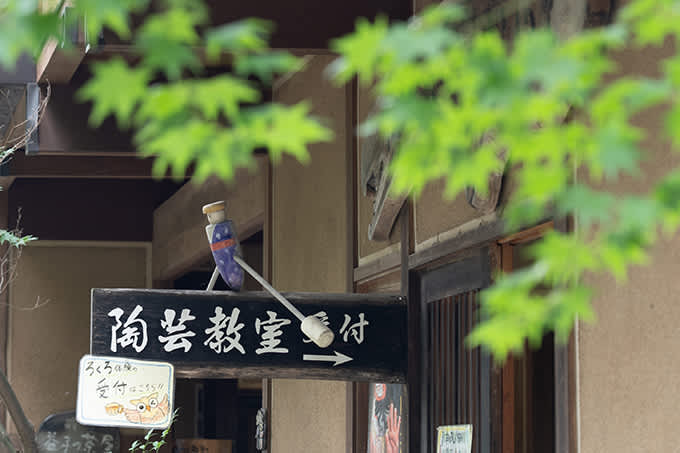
(215, 211)
(214, 207)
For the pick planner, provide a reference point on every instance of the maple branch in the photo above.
(23, 425)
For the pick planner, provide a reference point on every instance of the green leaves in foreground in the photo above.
(214, 122)
(463, 104)
(151, 444)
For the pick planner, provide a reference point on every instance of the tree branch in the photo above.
(24, 426)
(12, 140)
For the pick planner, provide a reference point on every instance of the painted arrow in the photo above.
(338, 358)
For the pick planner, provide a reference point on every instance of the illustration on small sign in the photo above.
(387, 418)
(114, 391)
(146, 409)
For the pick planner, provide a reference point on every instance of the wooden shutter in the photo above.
(456, 380)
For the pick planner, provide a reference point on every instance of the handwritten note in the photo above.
(114, 391)
(454, 439)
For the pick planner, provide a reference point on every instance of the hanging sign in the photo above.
(63, 434)
(114, 391)
(454, 439)
(225, 334)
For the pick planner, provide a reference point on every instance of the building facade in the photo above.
(103, 222)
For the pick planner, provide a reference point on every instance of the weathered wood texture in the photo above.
(179, 240)
(380, 355)
(376, 157)
(367, 247)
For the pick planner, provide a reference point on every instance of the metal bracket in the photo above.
(32, 113)
(261, 429)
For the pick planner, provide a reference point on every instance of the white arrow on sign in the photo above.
(338, 358)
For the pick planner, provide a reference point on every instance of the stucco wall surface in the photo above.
(47, 342)
(628, 366)
(309, 253)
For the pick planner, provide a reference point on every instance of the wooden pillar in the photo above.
(309, 242)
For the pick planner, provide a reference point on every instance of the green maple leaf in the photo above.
(590, 206)
(166, 39)
(287, 129)
(246, 35)
(615, 147)
(21, 33)
(112, 14)
(223, 94)
(265, 66)
(114, 89)
(360, 50)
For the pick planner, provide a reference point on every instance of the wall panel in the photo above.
(46, 342)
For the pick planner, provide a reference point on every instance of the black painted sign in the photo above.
(60, 433)
(225, 334)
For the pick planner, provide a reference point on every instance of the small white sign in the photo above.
(454, 439)
(114, 391)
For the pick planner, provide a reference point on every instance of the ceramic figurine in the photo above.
(224, 244)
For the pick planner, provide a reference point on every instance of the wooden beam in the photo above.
(179, 240)
(57, 65)
(87, 209)
(528, 235)
(107, 166)
(378, 267)
(299, 24)
(65, 127)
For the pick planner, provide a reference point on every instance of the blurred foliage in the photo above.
(463, 105)
(180, 112)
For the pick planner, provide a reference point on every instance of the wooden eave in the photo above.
(92, 166)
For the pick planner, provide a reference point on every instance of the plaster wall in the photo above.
(628, 367)
(46, 342)
(435, 214)
(309, 253)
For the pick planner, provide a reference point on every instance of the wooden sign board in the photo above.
(114, 391)
(251, 335)
(61, 433)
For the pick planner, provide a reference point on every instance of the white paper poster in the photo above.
(454, 439)
(114, 391)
